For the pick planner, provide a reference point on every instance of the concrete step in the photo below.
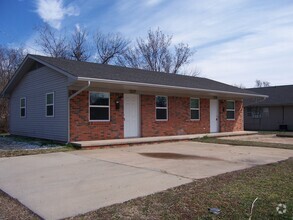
(146, 140)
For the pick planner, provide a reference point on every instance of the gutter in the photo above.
(168, 87)
(68, 106)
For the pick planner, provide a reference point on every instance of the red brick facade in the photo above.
(178, 123)
(81, 129)
(231, 125)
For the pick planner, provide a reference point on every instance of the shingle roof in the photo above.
(110, 72)
(278, 96)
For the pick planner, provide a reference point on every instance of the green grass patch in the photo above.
(242, 143)
(275, 132)
(232, 192)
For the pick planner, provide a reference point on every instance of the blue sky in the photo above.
(236, 41)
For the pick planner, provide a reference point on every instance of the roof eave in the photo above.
(5, 92)
(242, 95)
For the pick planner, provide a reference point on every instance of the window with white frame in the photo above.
(99, 105)
(50, 104)
(161, 108)
(22, 107)
(230, 108)
(194, 109)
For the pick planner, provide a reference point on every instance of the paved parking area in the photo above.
(267, 138)
(60, 185)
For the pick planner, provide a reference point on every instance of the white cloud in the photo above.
(236, 41)
(53, 11)
(77, 26)
(152, 2)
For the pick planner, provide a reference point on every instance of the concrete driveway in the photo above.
(60, 185)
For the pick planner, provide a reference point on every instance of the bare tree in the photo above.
(190, 72)
(52, 43)
(130, 58)
(109, 46)
(182, 56)
(260, 83)
(241, 86)
(154, 53)
(10, 59)
(78, 47)
(266, 84)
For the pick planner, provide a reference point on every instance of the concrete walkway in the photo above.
(60, 185)
(144, 140)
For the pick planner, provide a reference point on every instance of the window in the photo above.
(249, 111)
(99, 106)
(265, 112)
(22, 107)
(161, 108)
(230, 109)
(257, 112)
(50, 104)
(194, 109)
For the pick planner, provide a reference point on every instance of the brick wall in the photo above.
(81, 129)
(178, 123)
(231, 125)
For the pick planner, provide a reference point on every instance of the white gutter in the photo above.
(68, 110)
(166, 86)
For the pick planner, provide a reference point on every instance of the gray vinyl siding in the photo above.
(288, 117)
(34, 86)
(270, 121)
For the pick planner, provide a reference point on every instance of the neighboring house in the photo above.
(67, 100)
(273, 113)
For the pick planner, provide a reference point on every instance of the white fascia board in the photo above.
(167, 87)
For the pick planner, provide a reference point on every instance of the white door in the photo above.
(214, 116)
(131, 115)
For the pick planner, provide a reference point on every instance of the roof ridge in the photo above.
(117, 66)
(269, 87)
(90, 70)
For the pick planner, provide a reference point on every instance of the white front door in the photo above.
(214, 116)
(131, 115)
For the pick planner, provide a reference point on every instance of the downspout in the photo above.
(68, 110)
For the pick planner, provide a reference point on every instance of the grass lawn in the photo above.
(243, 143)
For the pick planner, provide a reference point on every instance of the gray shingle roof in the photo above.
(110, 72)
(278, 96)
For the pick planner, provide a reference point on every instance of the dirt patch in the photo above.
(286, 134)
(12, 209)
(175, 156)
(264, 138)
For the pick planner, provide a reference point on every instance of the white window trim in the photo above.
(231, 110)
(53, 104)
(24, 107)
(162, 108)
(195, 109)
(98, 106)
